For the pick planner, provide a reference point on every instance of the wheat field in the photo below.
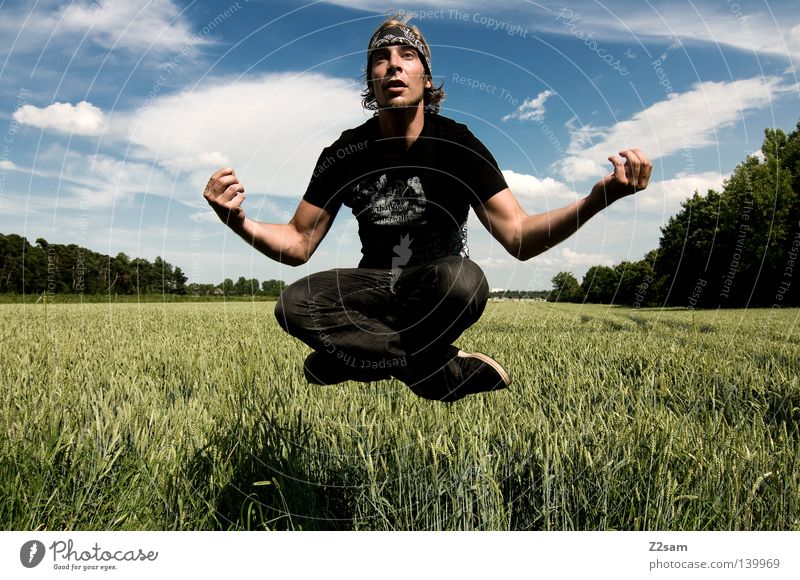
(196, 416)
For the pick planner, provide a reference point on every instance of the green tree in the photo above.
(178, 281)
(272, 287)
(735, 248)
(565, 288)
(59, 268)
(121, 280)
(685, 251)
(228, 288)
(242, 287)
(632, 277)
(599, 285)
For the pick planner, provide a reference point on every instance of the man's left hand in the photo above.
(630, 175)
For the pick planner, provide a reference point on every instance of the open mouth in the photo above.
(395, 84)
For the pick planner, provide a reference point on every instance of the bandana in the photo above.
(393, 35)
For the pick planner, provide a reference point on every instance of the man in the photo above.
(410, 177)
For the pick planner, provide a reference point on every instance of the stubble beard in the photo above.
(402, 102)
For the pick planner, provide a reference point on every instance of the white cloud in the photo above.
(531, 109)
(270, 129)
(770, 29)
(81, 119)
(568, 259)
(197, 160)
(491, 262)
(97, 181)
(682, 122)
(580, 168)
(130, 25)
(668, 194)
(7, 165)
(760, 29)
(794, 39)
(102, 180)
(736, 25)
(204, 217)
(553, 193)
(582, 135)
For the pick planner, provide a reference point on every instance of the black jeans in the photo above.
(398, 323)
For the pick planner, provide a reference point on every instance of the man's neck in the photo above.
(401, 126)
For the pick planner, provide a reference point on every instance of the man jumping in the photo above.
(410, 176)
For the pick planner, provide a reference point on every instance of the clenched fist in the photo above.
(630, 175)
(225, 194)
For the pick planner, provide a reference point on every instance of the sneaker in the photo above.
(479, 373)
(323, 369)
(466, 373)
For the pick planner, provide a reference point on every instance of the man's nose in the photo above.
(395, 61)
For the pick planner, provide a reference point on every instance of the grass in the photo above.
(196, 416)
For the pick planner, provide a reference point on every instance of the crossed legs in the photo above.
(368, 324)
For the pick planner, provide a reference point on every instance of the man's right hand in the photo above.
(225, 194)
(291, 243)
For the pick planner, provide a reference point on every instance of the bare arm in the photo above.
(291, 244)
(525, 236)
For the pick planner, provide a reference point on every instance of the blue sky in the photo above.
(115, 113)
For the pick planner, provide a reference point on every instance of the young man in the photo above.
(410, 176)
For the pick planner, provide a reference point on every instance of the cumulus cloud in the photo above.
(81, 119)
(492, 262)
(568, 259)
(102, 180)
(138, 24)
(547, 190)
(771, 30)
(668, 194)
(269, 128)
(208, 217)
(681, 122)
(531, 109)
(93, 181)
(133, 26)
(197, 160)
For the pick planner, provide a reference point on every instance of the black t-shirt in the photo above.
(412, 209)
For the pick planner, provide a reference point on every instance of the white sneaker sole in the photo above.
(489, 361)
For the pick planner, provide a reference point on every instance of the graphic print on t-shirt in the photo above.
(384, 202)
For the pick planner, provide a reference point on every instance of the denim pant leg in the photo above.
(439, 301)
(343, 313)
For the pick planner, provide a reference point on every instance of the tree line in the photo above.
(519, 294)
(71, 269)
(734, 248)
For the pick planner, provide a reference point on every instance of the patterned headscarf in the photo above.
(400, 34)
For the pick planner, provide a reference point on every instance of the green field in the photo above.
(197, 416)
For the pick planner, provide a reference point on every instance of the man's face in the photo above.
(398, 76)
